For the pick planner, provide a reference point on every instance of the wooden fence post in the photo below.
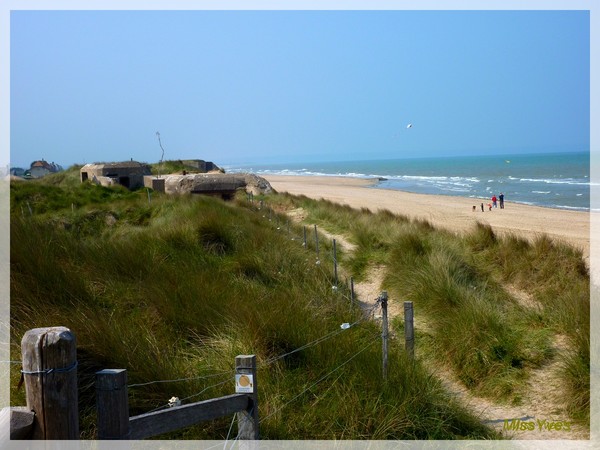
(335, 272)
(351, 291)
(384, 332)
(245, 377)
(50, 375)
(409, 329)
(317, 240)
(305, 236)
(112, 404)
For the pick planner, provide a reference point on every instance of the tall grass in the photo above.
(171, 166)
(462, 284)
(176, 289)
(555, 275)
(478, 330)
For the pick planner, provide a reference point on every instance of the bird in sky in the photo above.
(409, 125)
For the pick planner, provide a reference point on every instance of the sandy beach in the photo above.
(453, 213)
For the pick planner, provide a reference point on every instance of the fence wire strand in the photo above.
(180, 379)
(321, 379)
(229, 432)
(321, 269)
(310, 344)
(193, 395)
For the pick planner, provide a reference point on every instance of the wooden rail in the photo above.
(159, 422)
(113, 409)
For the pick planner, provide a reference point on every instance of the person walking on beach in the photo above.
(501, 197)
(494, 200)
(482, 207)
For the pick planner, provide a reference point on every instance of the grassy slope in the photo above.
(489, 338)
(179, 287)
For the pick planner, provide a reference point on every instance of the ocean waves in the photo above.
(550, 180)
(571, 181)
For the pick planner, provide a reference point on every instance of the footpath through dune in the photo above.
(540, 402)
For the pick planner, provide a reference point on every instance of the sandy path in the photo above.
(541, 403)
(452, 213)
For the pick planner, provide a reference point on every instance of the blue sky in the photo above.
(239, 87)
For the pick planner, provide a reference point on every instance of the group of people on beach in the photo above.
(494, 204)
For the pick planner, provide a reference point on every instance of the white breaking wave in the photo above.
(572, 181)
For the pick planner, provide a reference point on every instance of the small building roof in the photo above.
(42, 163)
(114, 165)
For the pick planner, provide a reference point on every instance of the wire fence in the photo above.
(229, 375)
(322, 378)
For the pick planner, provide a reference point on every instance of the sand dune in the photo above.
(452, 213)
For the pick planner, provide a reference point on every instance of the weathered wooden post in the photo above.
(245, 382)
(50, 375)
(384, 331)
(112, 404)
(305, 236)
(409, 329)
(335, 272)
(351, 291)
(317, 240)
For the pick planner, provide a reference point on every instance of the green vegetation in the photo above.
(59, 191)
(178, 287)
(468, 289)
(171, 166)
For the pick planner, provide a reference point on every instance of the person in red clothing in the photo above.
(494, 200)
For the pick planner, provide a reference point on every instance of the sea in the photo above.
(553, 180)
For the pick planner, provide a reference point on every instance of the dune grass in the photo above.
(465, 287)
(177, 288)
(171, 166)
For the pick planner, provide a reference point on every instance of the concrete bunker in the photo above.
(129, 174)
